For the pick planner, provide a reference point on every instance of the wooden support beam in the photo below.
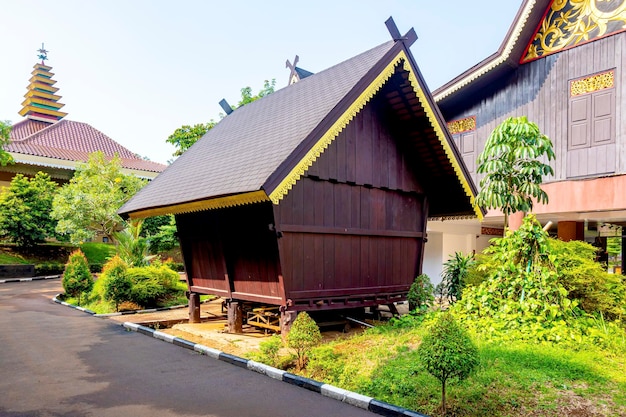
(194, 307)
(235, 317)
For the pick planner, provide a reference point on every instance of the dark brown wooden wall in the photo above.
(236, 241)
(354, 223)
(540, 90)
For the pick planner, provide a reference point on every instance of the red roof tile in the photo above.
(71, 141)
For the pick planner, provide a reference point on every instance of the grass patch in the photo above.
(97, 253)
(513, 378)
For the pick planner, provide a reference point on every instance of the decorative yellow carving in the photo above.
(462, 125)
(342, 121)
(215, 203)
(572, 22)
(441, 136)
(296, 173)
(592, 83)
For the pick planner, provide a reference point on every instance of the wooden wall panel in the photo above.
(371, 240)
(365, 153)
(540, 90)
(236, 242)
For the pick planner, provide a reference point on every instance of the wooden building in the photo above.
(563, 65)
(317, 196)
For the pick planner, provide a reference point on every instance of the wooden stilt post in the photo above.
(235, 317)
(194, 308)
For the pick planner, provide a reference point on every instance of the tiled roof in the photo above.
(241, 152)
(71, 141)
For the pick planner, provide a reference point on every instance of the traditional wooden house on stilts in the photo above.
(316, 197)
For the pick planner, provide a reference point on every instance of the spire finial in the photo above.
(43, 54)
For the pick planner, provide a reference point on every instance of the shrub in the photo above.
(454, 274)
(586, 281)
(420, 294)
(447, 352)
(49, 269)
(270, 350)
(304, 335)
(117, 284)
(76, 278)
(152, 284)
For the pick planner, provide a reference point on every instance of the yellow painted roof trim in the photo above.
(442, 137)
(322, 144)
(342, 121)
(215, 203)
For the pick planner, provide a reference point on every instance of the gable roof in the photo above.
(67, 140)
(259, 152)
(506, 58)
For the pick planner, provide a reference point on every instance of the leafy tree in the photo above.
(512, 162)
(5, 138)
(117, 284)
(187, 135)
(25, 208)
(303, 335)
(420, 294)
(88, 204)
(454, 275)
(160, 231)
(76, 278)
(447, 352)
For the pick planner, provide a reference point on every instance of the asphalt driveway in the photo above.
(57, 361)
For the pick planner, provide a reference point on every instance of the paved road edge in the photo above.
(327, 390)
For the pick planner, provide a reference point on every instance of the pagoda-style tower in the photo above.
(41, 101)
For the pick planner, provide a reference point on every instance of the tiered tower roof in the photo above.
(41, 102)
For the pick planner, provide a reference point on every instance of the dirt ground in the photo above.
(212, 331)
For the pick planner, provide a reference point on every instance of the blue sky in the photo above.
(137, 70)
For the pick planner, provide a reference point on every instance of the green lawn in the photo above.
(513, 379)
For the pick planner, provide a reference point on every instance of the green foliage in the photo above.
(420, 294)
(147, 286)
(270, 351)
(97, 252)
(88, 204)
(447, 352)
(187, 135)
(117, 284)
(76, 278)
(586, 281)
(247, 96)
(25, 207)
(131, 247)
(454, 275)
(152, 284)
(163, 238)
(303, 336)
(48, 268)
(184, 137)
(5, 138)
(513, 167)
(523, 295)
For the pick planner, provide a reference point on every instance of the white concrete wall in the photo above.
(433, 257)
(447, 237)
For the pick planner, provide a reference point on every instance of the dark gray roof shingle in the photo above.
(241, 152)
